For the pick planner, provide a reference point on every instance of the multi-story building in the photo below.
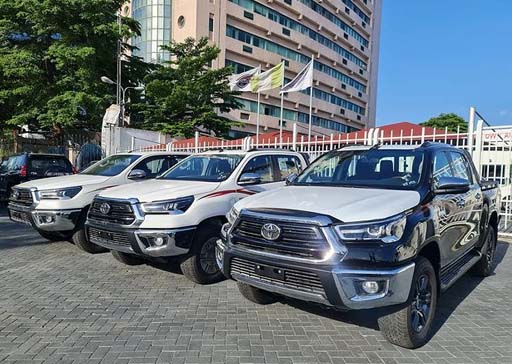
(342, 36)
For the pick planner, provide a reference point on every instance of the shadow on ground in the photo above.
(447, 303)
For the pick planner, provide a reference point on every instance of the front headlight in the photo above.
(60, 194)
(387, 231)
(232, 215)
(175, 206)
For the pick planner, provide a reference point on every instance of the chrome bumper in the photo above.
(138, 241)
(46, 220)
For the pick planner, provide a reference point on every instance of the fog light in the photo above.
(370, 287)
(159, 241)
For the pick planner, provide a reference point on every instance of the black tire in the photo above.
(256, 295)
(126, 258)
(485, 265)
(408, 327)
(79, 238)
(54, 235)
(201, 266)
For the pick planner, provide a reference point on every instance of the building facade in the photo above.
(342, 36)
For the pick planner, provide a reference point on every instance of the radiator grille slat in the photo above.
(109, 237)
(298, 240)
(293, 278)
(120, 213)
(22, 196)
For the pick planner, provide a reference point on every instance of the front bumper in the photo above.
(329, 284)
(46, 220)
(134, 240)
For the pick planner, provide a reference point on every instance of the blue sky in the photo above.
(440, 56)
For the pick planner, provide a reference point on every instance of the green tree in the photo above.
(451, 121)
(52, 55)
(185, 94)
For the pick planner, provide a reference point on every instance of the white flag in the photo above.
(302, 81)
(242, 81)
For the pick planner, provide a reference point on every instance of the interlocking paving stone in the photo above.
(61, 305)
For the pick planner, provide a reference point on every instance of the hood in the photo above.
(159, 189)
(343, 203)
(64, 181)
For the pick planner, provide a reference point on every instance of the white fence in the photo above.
(490, 148)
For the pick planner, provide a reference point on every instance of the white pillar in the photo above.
(477, 155)
(471, 128)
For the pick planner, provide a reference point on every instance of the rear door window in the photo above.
(48, 166)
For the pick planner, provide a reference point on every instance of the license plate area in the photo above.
(269, 271)
(106, 235)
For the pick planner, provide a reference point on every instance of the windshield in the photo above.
(208, 168)
(395, 169)
(111, 166)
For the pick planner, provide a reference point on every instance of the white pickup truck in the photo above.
(57, 207)
(180, 213)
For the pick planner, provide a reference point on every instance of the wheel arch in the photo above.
(432, 252)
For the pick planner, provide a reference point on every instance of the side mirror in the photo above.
(137, 174)
(249, 179)
(291, 178)
(451, 185)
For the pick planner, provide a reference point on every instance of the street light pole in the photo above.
(122, 95)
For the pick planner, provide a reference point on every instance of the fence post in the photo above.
(196, 141)
(294, 136)
(477, 155)
(133, 143)
(423, 135)
(471, 128)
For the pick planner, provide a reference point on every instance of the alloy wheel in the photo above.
(421, 303)
(207, 257)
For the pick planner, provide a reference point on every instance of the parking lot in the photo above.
(61, 305)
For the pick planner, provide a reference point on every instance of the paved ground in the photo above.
(60, 305)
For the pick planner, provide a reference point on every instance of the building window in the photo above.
(256, 7)
(249, 15)
(344, 61)
(286, 32)
(361, 72)
(247, 49)
(347, 10)
(289, 2)
(244, 116)
(286, 63)
(181, 21)
(211, 23)
(343, 86)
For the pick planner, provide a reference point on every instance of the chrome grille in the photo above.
(293, 278)
(298, 240)
(100, 236)
(22, 196)
(120, 213)
(21, 216)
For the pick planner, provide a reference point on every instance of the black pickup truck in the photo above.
(385, 228)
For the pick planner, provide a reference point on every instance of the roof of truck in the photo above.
(398, 146)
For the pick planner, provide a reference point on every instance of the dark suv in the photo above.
(24, 167)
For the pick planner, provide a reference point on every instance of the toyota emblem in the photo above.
(105, 208)
(270, 231)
